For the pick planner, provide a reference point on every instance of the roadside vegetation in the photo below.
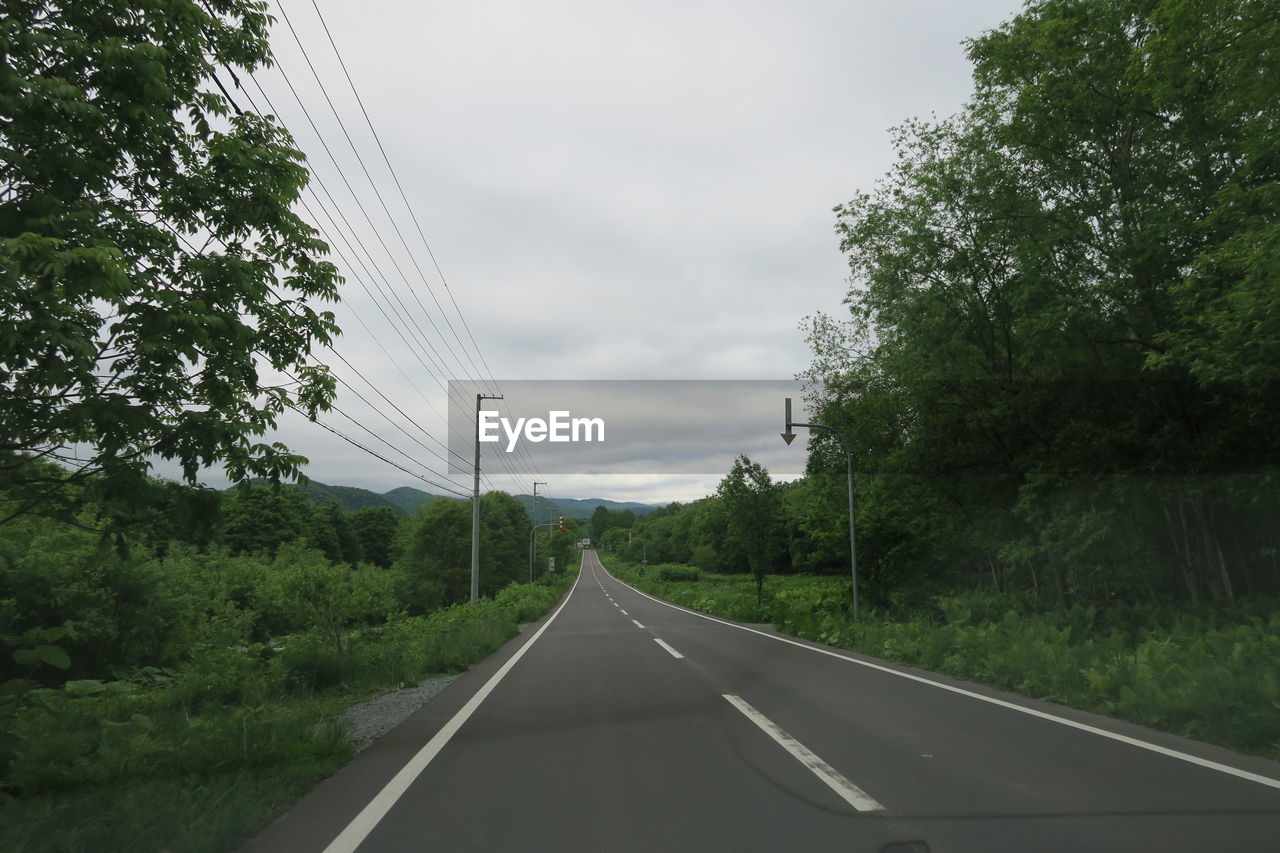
(1206, 672)
(166, 695)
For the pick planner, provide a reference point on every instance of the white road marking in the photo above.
(674, 653)
(832, 778)
(363, 823)
(1022, 709)
(638, 625)
(624, 613)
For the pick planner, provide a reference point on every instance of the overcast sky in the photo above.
(613, 190)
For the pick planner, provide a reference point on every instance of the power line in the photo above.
(377, 193)
(374, 453)
(403, 196)
(403, 313)
(376, 275)
(396, 178)
(449, 488)
(360, 206)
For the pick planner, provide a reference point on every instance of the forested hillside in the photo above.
(404, 500)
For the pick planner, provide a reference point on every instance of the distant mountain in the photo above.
(348, 498)
(579, 508)
(407, 500)
(403, 501)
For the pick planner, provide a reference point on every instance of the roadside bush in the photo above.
(706, 558)
(305, 591)
(96, 735)
(308, 663)
(195, 754)
(679, 574)
(527, 601)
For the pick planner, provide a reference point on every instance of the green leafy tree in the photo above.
(560, 546)
(306, 591)
(1054, 293)
(711, 527)
(175, 513)
(375, 529)
(151, 263)
(436, 550)
(259, 519)
(753, 508)
(329, 531)
(599, 523)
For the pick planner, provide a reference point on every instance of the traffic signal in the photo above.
(561, 523)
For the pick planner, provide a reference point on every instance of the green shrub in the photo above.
(679, 574)
(705, 558)
(236, 728)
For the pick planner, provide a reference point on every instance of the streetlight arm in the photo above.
(532, 531)
(831, 430)
(788, 436)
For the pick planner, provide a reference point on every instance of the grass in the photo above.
(1206, 672)
(199, 758)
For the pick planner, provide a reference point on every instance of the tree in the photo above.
(151, 263)
(753, 509)
(598, 523)
(375, 529)
(1053, 295)
(436, 550)
(259, 519)
(328, 530)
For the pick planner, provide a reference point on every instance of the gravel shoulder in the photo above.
(371, 720)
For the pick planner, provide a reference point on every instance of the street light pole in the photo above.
(531, 532)
(789, 437)
(532, 543)
(475, 508)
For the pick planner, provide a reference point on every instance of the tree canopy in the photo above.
(151, 262)
(753, 509)
(1062, 336)
(435, 550)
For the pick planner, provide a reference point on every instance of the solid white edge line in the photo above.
(1022, 709)
(363, 823)
(638, 625)
(674, 653)
(836, 781)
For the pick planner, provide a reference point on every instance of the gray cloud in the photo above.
(614, 190)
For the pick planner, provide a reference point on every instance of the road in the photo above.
(623, 723)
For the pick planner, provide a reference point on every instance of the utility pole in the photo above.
(789, 437)
(475, 508)
(533, 545)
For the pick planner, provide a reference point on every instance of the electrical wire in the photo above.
(381, 200)
(403, 314)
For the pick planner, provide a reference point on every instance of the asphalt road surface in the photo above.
(621, 723)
